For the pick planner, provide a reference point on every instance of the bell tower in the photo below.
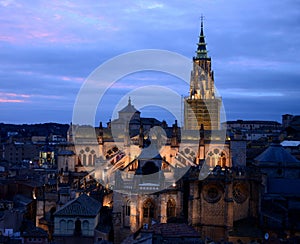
(202, 106)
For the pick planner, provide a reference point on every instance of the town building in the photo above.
(291, 126)
(280, 211)
(251, 130)
(77, 220)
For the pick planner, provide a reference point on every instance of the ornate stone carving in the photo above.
(240, 192)
(212, 193)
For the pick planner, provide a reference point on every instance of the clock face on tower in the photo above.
(240, 192)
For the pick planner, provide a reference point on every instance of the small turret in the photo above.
(174, 139)
(100, 134)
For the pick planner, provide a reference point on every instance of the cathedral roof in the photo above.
(149, 153)
(81, 206)
(180, 230)
(150, 121)
(168, 232)
(129, 108)
(275, 153)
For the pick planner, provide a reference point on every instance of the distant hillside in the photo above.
(29, 130)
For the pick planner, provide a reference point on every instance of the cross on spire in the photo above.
(202, 18)
(201, 50)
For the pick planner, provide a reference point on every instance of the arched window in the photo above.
(215, 157)
(90, 160)
(63, 226)
(94, 159)
(171, 208)
(77, 231)
(127, 208)
(224, 162)
(84, 160)
(85, 227)
(80, 159)
(207, 161)
(126, 213)
(70, 226)
(148, 209)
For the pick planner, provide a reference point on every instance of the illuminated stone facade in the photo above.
(161, 174)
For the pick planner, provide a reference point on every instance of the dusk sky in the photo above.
(49, 48)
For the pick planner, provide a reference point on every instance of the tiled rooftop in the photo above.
(174, 230)
(81, 206)
(275, 153)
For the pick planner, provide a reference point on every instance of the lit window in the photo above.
(171, 207)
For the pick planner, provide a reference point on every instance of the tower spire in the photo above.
(202, 104)
(201, 50)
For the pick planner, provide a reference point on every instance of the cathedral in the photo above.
(162, 174)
